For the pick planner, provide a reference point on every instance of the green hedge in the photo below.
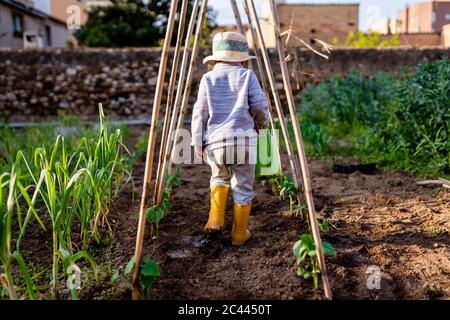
(400, 122)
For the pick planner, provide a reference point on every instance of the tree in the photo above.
(370, 39)
(130, 23)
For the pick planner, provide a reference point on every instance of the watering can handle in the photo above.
(256, 128)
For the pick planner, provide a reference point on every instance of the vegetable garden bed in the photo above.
(383, 219)
(68, 204)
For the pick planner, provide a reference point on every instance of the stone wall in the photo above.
(46, 83)
(416, 39)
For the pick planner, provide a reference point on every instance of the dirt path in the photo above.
(383, 220)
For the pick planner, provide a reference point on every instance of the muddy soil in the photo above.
(382, 221)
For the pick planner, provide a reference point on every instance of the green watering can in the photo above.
(268, 162)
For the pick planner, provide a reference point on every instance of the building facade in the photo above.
(425, 17)
(311, 21)
(22, 26)
(66, 10)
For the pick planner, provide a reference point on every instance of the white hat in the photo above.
(229, 47)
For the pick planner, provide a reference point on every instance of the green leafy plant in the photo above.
(399, 122)
(435, 230)
(323, 225)
(369, 39)
(157, 212)
(8, 196)
(306, 257)
(286, 189)
(149, 271)
(73, 184)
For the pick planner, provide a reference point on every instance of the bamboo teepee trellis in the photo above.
(301, 153)
(175, 111)
(151, 147)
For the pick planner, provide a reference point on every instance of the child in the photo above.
(229, 106)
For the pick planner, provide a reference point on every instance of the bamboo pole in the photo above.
(170, 90)
(239, 24)
(301, 152)
(187, 89)
(275, 93)
(151, 148)
(260, 67)
(237, 16)
(265, 88)
(176, 105)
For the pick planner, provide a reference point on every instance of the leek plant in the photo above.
(105, 158)
(61, 189)
(9, 190)
(72, 187)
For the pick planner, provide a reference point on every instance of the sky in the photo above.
(370, 11)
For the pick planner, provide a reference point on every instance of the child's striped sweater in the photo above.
(230, 100)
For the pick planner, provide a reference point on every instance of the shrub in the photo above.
(400, 122)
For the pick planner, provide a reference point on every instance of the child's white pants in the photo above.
(234, 166)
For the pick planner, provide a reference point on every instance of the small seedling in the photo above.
(306, 257)
(435, 230)
(286, 189)
(149, 271)
(323, 225)
(155, 215)
(115, 276)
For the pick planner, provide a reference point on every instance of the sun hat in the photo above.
(229, 47)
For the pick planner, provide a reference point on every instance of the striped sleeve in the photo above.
(257, 101)
(200, 115)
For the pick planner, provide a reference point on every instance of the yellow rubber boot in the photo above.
(241, 218)
(219, 198)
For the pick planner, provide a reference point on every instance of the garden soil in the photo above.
(383, 221)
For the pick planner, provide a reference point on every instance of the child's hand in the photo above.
(198, 152)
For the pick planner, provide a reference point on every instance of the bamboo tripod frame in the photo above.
(168, 165)
(170, 92)
(255, 26)
(261, 50)
(176, 111)
(254, 23)
(151, 148)
(237, 17)
(301, 152)
(166, 150)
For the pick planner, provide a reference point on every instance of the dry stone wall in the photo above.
(37, 84)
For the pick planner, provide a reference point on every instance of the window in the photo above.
(17, 20)
(433, 17)
(447, 16)
(48, 36)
